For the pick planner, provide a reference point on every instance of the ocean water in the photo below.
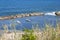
(13, 7)
(28, 22)
(26, 6)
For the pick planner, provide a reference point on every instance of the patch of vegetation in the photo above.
(28, 35)
(47, 33)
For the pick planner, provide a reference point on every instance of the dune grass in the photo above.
(47, 33)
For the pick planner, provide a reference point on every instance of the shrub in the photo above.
(28, 35)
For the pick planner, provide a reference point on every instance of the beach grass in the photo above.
(47, 33)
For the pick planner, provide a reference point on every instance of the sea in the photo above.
(13, 7)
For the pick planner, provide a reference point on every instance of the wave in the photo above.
(50, 13)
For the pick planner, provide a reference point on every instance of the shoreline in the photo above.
(28, 15)
(20, 16)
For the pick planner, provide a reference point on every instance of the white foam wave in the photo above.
(28, 20)
(18, 21)
(50, 13)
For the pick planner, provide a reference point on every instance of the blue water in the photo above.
(13, 7)
(26, 6)
(40, 20)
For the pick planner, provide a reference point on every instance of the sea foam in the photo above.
(50, 13)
